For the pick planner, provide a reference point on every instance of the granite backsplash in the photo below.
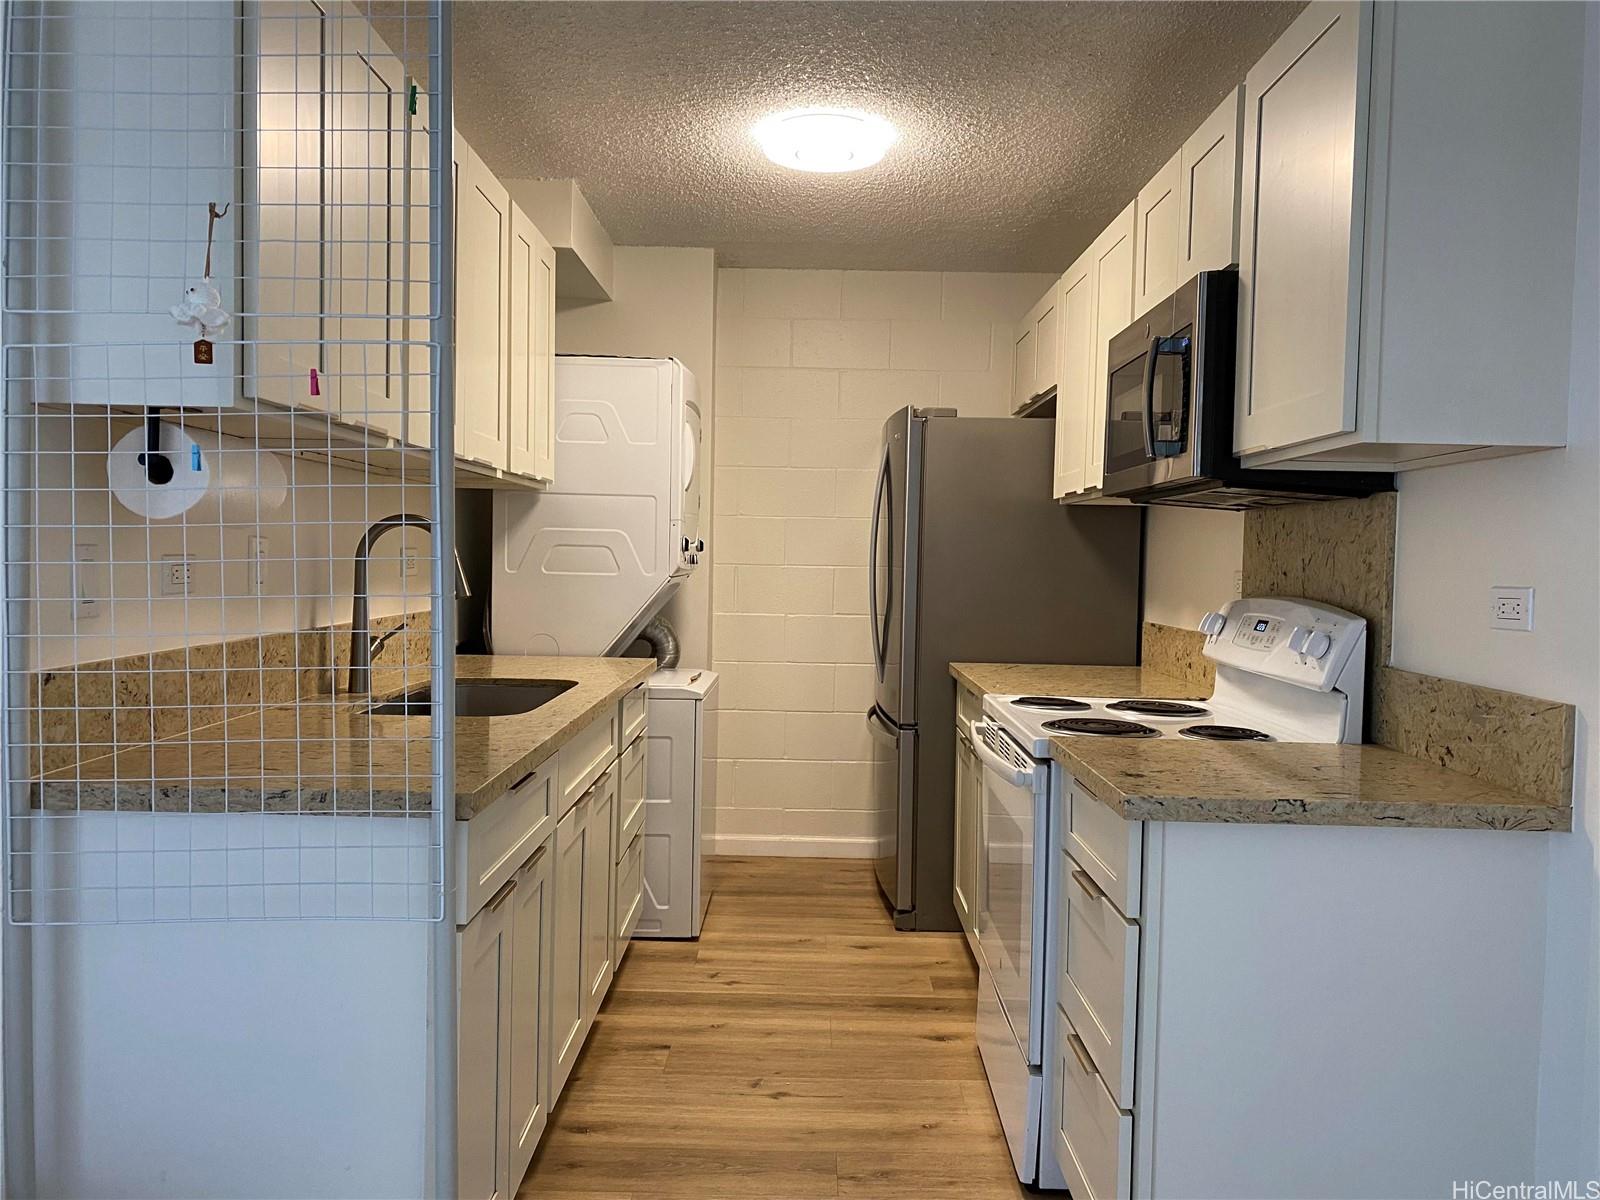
(1342, 553)
(93, 708)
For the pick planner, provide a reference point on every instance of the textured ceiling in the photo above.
(1024, 126)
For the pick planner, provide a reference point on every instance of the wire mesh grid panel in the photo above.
(221, 358)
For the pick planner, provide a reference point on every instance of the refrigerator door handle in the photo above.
(879, 647)
(881, 729)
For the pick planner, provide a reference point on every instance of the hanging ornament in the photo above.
(201, 306)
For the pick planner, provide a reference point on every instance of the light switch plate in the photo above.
(1511, 608)
(88, 581)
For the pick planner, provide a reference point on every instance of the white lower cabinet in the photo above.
(531, 912)
(599, 896)
(1214, 979)
(1093, 1138)
(536, 959)
(483, 1066)
(967, 788)
(569, 1013)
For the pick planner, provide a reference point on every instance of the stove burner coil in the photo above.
(1101, 727)
(1224, 733)
(1055, 703)
(1158, 708)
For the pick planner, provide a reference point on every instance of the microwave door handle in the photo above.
(1150, 398)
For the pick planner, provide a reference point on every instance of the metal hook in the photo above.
(212, 217)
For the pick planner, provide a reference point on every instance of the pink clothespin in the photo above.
(316, 386)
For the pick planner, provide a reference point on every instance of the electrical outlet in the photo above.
(177, 573)
(1511, 608)
(255, 549)
(410, 563)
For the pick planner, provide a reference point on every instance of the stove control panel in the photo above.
(1298, 641)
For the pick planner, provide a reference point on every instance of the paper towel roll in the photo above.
(217, 479)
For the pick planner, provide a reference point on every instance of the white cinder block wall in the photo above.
(809, 364)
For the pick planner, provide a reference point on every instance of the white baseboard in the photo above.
(781, 846)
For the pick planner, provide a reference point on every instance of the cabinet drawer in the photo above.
(493, 844)
(630, 795)
(1100, 977)
(630, 717)
(630, 893)
(1091, 1136)
(586, 756)
(969, 708)
(1109, 848)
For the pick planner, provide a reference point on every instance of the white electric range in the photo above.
(1287, 670)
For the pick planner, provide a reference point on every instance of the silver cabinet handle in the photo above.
(500, 897)
(1086, 881)
(1081, 1053)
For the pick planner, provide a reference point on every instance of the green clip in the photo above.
(413, 100)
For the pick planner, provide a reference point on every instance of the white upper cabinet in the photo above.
(1208, 191)
(1076, 394)
(1034, 354)
(284, 159)
(532, 348)
(483, 291)
(1155, 272)
(1112, 257)
(1407, 231)
(1302, 258)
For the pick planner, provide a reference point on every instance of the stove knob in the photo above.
(687, 545)
(1212, 624)
(699, 545)
(1317, 643)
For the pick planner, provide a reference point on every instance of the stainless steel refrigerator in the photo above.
(970, 560)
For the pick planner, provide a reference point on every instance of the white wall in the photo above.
(664, 307)
(809, 364)
(1534, 520)
(233, 1059)
(1192, 560)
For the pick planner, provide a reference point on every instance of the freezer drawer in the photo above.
(894, 775)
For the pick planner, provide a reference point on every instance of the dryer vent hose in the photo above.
(663, 642)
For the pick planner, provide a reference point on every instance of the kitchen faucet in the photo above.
(362, 644)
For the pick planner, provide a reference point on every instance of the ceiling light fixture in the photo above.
(824, 139)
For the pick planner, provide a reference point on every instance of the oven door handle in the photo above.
(1009, 771)
(1151, 356)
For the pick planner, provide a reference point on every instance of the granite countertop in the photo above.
(1049, 679)
(326, 754)
(1293, 784)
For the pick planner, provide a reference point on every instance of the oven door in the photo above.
(1011, 899)
(1151, 398)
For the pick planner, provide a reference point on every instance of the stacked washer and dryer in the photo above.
(586, 566)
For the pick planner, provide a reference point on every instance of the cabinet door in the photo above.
(1075, 393)
(1024, 357)
(599, 885)
(1208, 191)
(529, 1045)
(1300, 255)
(1113, 312)
(365, 124)
(966, 840)
(1156, 252)
(1046, 342)
(568, 1012)
(531, 371)
(416, 272)
(283, 151)
(483, 1075)
(483, 242)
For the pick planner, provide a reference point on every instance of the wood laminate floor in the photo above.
(801, 1048)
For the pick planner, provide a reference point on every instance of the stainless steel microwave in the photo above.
(1169, 412)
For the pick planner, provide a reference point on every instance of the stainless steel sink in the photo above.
(477, 698)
